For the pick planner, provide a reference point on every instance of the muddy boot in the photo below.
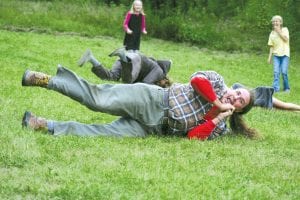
(121, 52)
(33, 122)
(32, 78)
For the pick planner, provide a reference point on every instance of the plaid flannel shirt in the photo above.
(187, 108)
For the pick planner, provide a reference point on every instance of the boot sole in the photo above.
(24, 77)
(25, 119)
(83, 58)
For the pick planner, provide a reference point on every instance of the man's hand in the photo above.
(225, 114)
(223, 106)
(221, 116)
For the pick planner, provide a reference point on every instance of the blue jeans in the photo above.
(281, 64)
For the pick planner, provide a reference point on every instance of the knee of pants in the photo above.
(276, 75)
(284, 71)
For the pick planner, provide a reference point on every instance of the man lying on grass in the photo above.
(131, 67)
(195, 110)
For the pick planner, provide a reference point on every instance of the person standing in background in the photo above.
(280, 50)
(134, 24)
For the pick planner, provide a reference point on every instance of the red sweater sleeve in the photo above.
(204, 88)
(202, 131)
(212, 113)
(126, 21)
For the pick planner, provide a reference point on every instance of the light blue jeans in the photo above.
(280, 64)
(141, 107)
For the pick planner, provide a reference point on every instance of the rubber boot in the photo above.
(35, 123)
(32, 78)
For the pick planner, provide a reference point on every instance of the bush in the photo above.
(167, 28)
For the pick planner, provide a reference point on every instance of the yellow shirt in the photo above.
(280, 47)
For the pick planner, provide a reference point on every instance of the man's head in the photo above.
(242, 99)
(263, 95)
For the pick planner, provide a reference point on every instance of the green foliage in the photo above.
(39, 166)
(56, 16)
(217, 24)
(167, 29)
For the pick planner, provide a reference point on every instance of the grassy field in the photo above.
(38, 166)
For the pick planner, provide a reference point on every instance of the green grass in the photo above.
(81, 18)
(38, 166)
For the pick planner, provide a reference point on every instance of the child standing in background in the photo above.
(133, 25)
(280, 49)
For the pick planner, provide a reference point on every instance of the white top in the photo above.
(280, 47)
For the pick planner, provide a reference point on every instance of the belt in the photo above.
(165, 120)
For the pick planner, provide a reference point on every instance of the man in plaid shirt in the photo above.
(188, 108)
(197, 110)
